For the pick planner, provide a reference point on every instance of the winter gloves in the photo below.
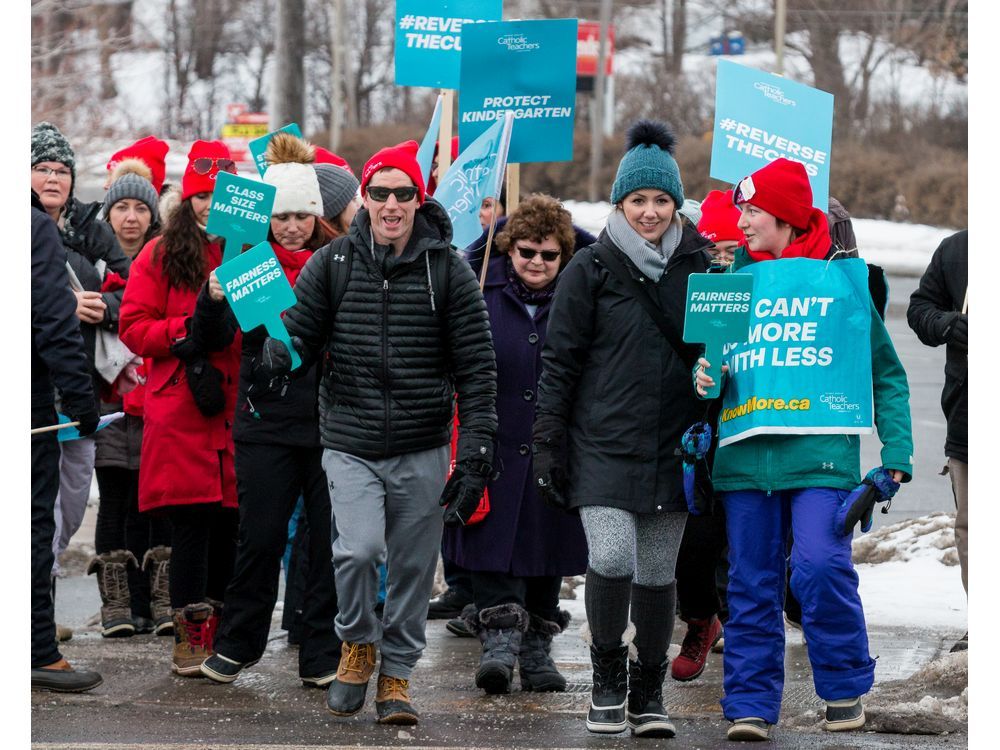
(698, 489)
(210, 329)
(877, 487)
(549, 462)
(86, 415)
(275, 359)
(465, 489)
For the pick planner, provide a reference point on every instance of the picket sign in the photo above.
(241, 212)
(717, 311)
(258, 292)
(258, 146)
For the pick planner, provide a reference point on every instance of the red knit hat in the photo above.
(192, 182)
(403, 157)
(719, 216)
(781, 188)
(328, 157)
(150, 150)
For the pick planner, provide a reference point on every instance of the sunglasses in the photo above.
(381, 194)
(203, 165)
(549, 256)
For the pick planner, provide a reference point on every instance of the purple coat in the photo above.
(521, 535)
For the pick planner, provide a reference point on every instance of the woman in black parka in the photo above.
(613, 401)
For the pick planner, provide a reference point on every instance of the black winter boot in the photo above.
(538, 671)
(607, 707)
(500, 630)
(646, 715)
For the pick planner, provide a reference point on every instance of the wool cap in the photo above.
(193, 183)
(691, 209)
(150, 150)
(403, 157)
(648, 162)
(132, 178)
(290, 169)
(781, 188)
(323, 156)
(719, 216)
(48, 144)
(338, 188)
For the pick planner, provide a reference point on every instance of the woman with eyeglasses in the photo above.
(613, 401)
(192, 351)
(518, 554)
(278, 453)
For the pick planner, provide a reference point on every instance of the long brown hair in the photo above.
(183, 248)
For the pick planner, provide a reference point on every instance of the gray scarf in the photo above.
(650, 259)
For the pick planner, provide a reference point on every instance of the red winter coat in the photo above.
(187, 458)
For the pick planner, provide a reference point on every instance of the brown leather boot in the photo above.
(392, 701)
(192, 638)
(346, 694)
(112, 583)
(156, 562)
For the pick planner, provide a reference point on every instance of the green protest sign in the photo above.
(241, 212)
(258, 146)
(716, 313)
(258, 292)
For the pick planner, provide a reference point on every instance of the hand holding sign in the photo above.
(241, 212)
(717, 312)
(258, 292)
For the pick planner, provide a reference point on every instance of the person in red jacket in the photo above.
(192, 352)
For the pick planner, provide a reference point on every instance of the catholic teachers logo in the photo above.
(517, 43)
(774, 93)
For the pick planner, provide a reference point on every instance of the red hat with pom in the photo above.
(719, 216)
(782, 189)
(403, 157)
(151, 151)
(205, 159)
(323, 156)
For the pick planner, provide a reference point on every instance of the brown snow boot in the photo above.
(112, 582)
(192, 638)
(156, 563)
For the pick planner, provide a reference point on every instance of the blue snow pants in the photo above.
(823, 580)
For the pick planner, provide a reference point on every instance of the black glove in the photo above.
(275, 359)
(960, 332)
(464, 490)
(549, 470)
(88, 417)
(205, 383)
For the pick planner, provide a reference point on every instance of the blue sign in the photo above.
(429, 38)
(760, 117)
(524, 67)
(805, 366)
(241, 212)
(258, 146)
(477, 174)
(258, 292)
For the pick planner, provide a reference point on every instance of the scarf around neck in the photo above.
(650, 259)
(815, 243)
(291, 261)
(528, 296)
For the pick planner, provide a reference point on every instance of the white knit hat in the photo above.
(290, 170)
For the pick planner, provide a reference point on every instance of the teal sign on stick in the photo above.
(717, 312)
(241, 212)
(258, 146)
(258, 292)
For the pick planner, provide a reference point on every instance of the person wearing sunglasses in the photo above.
(278, 457)
(404, 330)
(518, 554)
(89, 244)
(191, 349)
(613, 401)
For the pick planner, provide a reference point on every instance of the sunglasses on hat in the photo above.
(203, 165)
(549, 256)
(381, 194)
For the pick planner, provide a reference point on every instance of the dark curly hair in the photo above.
(183, 248)
(539, 216)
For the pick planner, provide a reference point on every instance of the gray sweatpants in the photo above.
(386, 506)
(76, 471)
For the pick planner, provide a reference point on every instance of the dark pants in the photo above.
(702, 553)
(457, 577)
(269, 480)
(537, 594)
(44, 486)
(120, 525)
(202, 553)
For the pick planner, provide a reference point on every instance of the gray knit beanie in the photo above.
(48, 144)
(648, 162)
(337, 186)
(131, 178)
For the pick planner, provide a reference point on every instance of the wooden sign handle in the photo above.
(444, 132)
(513, 187)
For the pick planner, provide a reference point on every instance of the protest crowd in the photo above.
(527, 408)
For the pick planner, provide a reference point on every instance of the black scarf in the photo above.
(537, 297)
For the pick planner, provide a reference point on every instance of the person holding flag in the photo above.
(770, 482)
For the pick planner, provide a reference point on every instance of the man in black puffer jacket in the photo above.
(397, 348)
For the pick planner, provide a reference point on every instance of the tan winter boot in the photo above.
(192, 638)
(112, 582)
(346, 694)
(156, 562)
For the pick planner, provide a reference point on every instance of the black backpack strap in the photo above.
(441, 275)
(617, 268)
(338, 268)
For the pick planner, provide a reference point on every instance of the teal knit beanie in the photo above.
(648, 162)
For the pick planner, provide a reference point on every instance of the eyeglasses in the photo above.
(59, 174)
(203, 165)
(549, 256)
(381, 194)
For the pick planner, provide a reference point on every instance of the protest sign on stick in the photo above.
(258, 292)
(241, 212)
(760, 117)
(258, 146)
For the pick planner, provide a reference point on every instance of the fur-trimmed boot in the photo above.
(156, 563)
(500, 630)
(538, 671)
(112, 582)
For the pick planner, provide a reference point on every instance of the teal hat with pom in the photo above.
(648, 162)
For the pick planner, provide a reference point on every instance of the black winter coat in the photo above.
(934, 307)
(612, 378)
(57, 352)
(395, 363)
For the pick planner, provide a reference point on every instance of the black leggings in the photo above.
(700, 593)
(203, 551)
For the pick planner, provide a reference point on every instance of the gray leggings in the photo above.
(623, 543)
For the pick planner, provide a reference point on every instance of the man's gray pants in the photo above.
(388, 506)
(76, 472)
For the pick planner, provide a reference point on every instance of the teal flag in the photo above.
(241, 212)
(425, 154)
(804, 365)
